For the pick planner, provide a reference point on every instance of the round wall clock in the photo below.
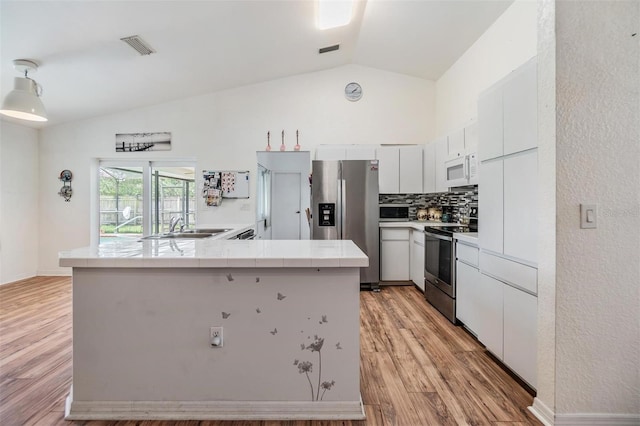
(353, 91)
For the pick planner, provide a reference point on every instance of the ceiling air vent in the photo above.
(329, 48)
(139, 45)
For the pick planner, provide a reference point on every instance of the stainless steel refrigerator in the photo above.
(345, 207)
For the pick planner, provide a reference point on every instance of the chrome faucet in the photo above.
(173, 222)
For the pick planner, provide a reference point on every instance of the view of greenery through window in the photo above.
(122, 204)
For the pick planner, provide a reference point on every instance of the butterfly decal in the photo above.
(338, 346)
(229, 277)
(258, 310)
(225, 315)
(274, 332)
(257, 279)
(281, 296)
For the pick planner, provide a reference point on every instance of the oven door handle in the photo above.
(440, 237)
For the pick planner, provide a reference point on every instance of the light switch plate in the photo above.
(588, 216)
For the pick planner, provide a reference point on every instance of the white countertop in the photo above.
(215, 253)
(468, 237)
(415, 224)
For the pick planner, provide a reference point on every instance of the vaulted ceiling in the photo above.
(206, 46)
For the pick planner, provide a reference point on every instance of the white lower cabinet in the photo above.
(417, 258)
(520, 333)
(394, 254)
(467, 288)
(490, 314)
(507, 325)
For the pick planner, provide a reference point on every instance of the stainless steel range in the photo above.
(440, 266)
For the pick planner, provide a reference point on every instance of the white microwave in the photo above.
(462, 170)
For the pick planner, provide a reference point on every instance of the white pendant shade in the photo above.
(23, 101)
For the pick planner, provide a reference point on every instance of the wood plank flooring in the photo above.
(417, 368)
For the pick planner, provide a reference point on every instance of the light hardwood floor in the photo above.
(417, 368)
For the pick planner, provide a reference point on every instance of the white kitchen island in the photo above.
(142, 313)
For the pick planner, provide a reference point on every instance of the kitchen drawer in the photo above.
(467, 254)
(394, 234)
(513, 273)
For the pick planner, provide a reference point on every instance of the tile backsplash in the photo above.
(447, 201)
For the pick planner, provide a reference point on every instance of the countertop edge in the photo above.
(471, 237)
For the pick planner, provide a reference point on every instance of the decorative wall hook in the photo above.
(66, 192)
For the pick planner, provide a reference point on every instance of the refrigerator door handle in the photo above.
(343, 208)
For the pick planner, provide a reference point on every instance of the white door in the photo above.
(285, 206)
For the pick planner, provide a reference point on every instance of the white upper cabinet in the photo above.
(508, 114)
(441, 155)
(491, 206)
(329, 153)
(411, 169)
(521, 109)
(345, 152)
(429, 168)
(455, 144)
(471, 137)
(490, 131)
(389, 169)
(400, 169)
(360, 153)
(520, 205)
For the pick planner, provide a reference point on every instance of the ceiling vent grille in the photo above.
(328, 49)
(139, 45)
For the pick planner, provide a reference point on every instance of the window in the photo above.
(141, 198)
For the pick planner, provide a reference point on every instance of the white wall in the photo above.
(547, 214)
(224, 130)
(506, 45)
(19, 195)
(598, 152)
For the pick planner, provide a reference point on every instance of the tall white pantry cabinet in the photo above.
(508, 211)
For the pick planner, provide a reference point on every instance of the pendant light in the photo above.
(23, 101)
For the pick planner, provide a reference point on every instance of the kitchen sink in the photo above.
(188, 234)
(205, 231)
(178, 235)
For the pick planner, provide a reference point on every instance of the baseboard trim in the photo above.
(549, 418)
(54, 273)
(212, 410)
(597, 419)
(542, 412)
(15, 278)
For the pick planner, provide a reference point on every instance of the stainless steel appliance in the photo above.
(440, 265)
(394, 212)
(345, 207)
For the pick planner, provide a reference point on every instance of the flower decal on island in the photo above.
(306, 367)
